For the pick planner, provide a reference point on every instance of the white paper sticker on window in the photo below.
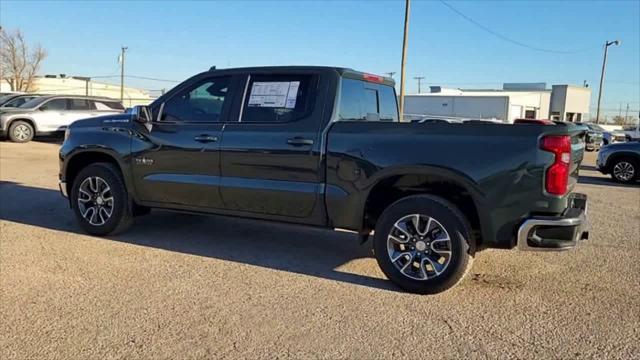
(280, 94)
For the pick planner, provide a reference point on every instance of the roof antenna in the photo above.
(212, 68)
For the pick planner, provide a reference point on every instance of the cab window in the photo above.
(279, 98)
(364, 101)
(202, 102)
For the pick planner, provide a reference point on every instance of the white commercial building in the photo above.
(514, 101)
(76, 85)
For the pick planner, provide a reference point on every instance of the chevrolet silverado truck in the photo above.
(323, 146)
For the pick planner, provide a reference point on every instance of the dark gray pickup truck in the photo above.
(323, 146)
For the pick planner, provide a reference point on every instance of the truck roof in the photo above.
(342, 71)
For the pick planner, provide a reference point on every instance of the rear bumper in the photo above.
(556, 233)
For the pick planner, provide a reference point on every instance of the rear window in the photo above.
(108, 105)
(364, 101)
(279, 98)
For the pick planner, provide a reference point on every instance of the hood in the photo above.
(631, 145)
(117, 120)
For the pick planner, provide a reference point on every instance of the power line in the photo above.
(508, 39)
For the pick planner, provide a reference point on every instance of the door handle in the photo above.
(204, 138)
(298, 141)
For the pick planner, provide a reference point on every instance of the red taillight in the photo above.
(557, 177)
(373, 78)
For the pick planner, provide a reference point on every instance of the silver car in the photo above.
(53, 113)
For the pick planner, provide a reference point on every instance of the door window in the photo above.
(278, 98)
(202, 103)
(56, 104)
(80, 104)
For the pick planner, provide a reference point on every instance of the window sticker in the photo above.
(277, 94)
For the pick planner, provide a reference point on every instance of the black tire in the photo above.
(461, 246)
(628, 163)
(121, 216)
(21, 131)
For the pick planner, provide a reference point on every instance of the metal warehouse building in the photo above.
(513, 101)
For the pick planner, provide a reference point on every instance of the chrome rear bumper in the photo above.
(556, 233)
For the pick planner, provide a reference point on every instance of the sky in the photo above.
(492, 42)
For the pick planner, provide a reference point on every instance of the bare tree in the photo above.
(19, 63)
(618, 120)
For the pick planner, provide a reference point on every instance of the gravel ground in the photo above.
(187, 286)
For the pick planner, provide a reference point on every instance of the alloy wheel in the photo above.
(623, 171)
(95, 200)
(22, 132)
(419, 247)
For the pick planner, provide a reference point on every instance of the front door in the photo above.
(176, 159)
(271, 162)
(52, 115)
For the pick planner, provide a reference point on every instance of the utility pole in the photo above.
(620, 110)
(419, 78)
(123, 49)
(404, 57)
(391, 73)
(604, 65)
(626, 114)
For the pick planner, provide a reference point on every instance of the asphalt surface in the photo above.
(187, 286)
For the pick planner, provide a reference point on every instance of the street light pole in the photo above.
(604, 65)
(404, 57)
(122, 51)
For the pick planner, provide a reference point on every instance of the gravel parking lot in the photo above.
(187, 286)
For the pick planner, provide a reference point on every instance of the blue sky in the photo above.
(174, 40)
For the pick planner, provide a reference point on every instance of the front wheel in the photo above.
(625, 170)
(100, 201)
(423, 244)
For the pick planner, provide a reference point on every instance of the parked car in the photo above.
(594, 136)
(608, 137)
(632, 132)
(50, 114)
(621, 161)
(15, 100)
(323, 146)
(534, 121)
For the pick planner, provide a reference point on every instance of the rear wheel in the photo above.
(423, 244)
(100, 201)
(625, 170)
(21, 131)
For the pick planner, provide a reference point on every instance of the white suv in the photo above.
(51, 114)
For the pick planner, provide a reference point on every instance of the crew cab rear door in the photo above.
(271, 156)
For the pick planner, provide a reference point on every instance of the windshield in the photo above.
(33, 103)
(5, 98)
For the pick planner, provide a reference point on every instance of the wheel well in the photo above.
(33, 125)
(80, 161)
(394, 188)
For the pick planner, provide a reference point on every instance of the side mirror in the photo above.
(141, 114)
